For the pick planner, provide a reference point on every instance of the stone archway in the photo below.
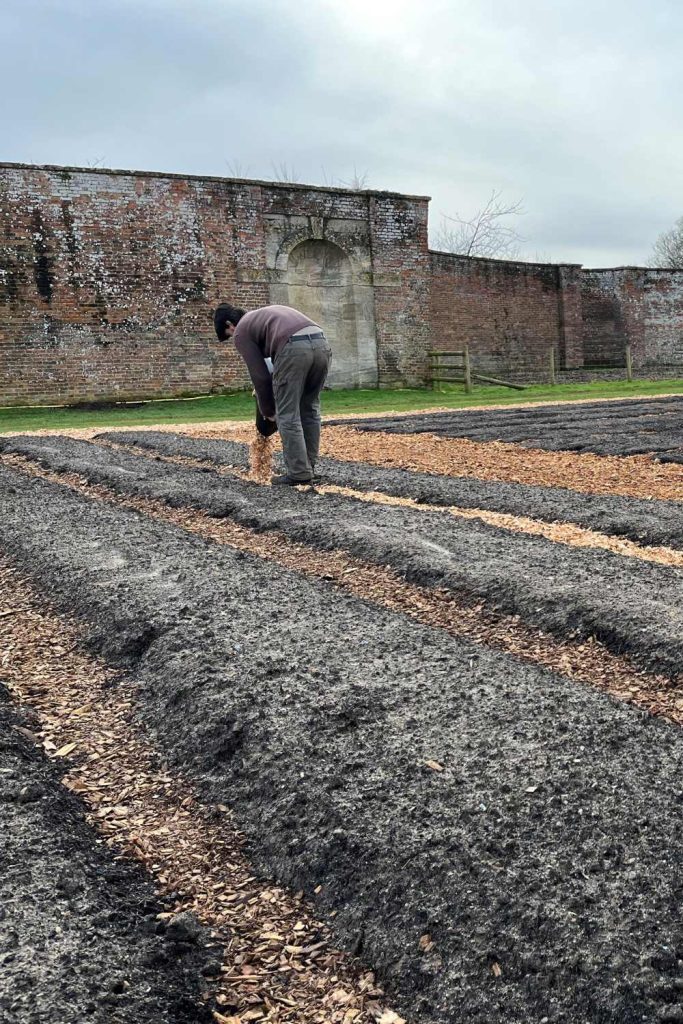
(319, 280)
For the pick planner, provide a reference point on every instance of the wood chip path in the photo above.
(558, 532)
(633, 476)
(585, 661)
(279, 963)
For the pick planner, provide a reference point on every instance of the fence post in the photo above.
(552, 367)
(468, 371)
(629, 364)
(434, 361)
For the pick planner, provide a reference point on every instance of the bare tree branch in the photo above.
(484, 234)
(357, 181)
(667, 251)
(237, 169)
(283, 172)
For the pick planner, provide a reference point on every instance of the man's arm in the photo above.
(258, 371)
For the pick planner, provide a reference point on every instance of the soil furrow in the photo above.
(494, 836)
(656, 523)
(279, 964)
(646, 426)
(586, 661)
(80, 934)
(633, 607)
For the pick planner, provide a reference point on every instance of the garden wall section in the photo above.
(509, 313)
(108, 279)
(635, 306)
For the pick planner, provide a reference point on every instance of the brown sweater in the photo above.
(259, 336)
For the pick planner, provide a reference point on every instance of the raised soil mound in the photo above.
(645, 521)
(605, 428)
(492, 837)
(79, 937)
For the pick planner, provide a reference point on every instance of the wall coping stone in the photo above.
(491, 259)
(286, 185)
(657, 270)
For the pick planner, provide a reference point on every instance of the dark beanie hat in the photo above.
(225, 314)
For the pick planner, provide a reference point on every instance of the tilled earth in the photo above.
(631, 605)
(459, 826)
(79, 934)
(605, 428)
(497, 840)
(649, 522)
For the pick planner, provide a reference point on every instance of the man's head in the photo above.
(225, 320)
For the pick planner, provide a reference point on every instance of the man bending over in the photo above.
(300, 357)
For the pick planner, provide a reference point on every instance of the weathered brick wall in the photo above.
(107, 281)
(603, 330)
(108, 278)
(509, 313)
(402, 286)
(639, 306)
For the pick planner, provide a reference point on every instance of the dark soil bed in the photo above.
(605, 428)
(646, 521)
(632, 606)
(503, 845)
(78, 930)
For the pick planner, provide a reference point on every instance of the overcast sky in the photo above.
(573, 106)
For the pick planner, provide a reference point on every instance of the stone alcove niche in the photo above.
(319, 279)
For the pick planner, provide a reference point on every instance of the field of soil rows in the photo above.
(404, 746)
(652, 426)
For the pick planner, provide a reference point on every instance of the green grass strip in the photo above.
(240, 405)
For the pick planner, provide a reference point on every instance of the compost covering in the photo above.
(501, 844)
(632, 606)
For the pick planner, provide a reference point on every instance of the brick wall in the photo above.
(509, 313)
(108, 278)
(401, 285)
(639, 306)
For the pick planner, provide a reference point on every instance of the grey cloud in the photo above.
(572, 106)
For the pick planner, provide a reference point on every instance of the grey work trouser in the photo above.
(300, 371)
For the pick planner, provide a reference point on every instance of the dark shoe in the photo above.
(289, 481)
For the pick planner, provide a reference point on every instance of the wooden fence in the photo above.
(455, 367)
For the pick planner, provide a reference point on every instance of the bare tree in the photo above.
(283, 172)
(667, 251)
(358, 180)
(484, 234)
(237, 169)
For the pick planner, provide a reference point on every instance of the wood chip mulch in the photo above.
(279, 963)
(261, 453)
(559, 533)
(582, 660)
(634, 476)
